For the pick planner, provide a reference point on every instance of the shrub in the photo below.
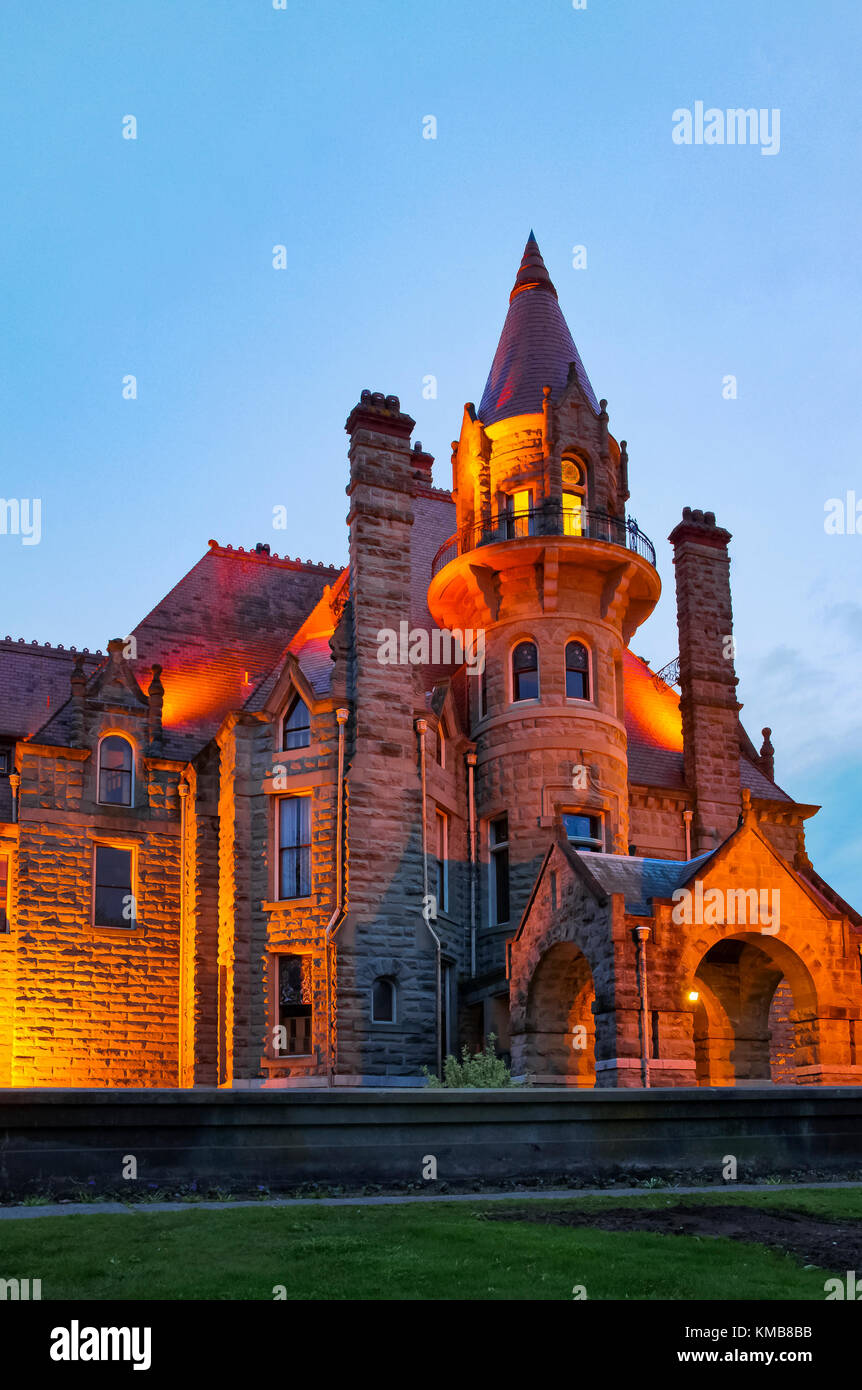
(484, 1069)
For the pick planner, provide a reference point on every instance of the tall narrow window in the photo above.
(525, 672)
(4, 894)
(296, 725)
(4, 762)
(499, 855)
(113, 902)
(383, 999)
(583, 832)
(293, 984)
(577, 671)
(483, 693)
(294, 847)
(519, 520)
(442, 862)
(573, 521)
(440, 746)
(116, 771)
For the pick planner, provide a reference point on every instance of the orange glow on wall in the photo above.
(652, 708)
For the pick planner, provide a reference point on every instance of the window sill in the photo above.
(114, 933)
(279, 904)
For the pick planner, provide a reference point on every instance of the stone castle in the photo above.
(317, 826)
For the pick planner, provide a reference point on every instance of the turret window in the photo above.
(116, 771)
(525, 672)
(583, 832)
(519, 514)
(577, 671)
(498, 853)
(383, 1000)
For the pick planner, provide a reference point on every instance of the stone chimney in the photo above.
(710, 710)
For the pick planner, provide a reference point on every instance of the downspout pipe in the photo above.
(687, 817)
(183, 793)
(337, 917)
(642, 936)
(471, 799)
(421, 727)
(15, 784)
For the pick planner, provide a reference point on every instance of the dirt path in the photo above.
(832, 1245)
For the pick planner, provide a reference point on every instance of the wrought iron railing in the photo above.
(549, 520)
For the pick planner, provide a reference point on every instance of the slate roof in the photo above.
(639, 880)
(217, 634)
(34, 681)
(535, 347)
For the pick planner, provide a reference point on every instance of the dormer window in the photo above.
(116, 771)
(296, 725)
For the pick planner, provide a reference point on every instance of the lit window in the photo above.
(525, 672)
(113, 902)
(383, 997)
(498, 836)
(294, 847)
(519, 515)
(4, 894)
(116, 766)
(577, 671)
(442, 861)
(573, 507)
(583, 832)
(293, 992)
(296, 725)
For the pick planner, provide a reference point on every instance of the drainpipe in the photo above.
(687, 817)
(338, 914)
(642, 934)
(15, 783)
(471, 799)
(421, 726)
(183, 792)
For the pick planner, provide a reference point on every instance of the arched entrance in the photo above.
(752, 992)
(557, 1044)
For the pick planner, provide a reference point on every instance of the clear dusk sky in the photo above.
(303, 127)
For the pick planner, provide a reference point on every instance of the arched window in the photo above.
(296, 725)
(383, 1000)
(577, 671)
(116, 771)
(574, 495)
(525, 672)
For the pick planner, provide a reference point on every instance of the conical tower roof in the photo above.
(535, 347)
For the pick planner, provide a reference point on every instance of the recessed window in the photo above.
(116, 771)
(573, 514)
(442, 826)
(296, 725)
(440, 746)
(519, 515)
(574, 495)
(4, 894)
(525, 672)
(113, 901)
(498, 848)
(383, 1000)
(583, 832)
(4, 762)
(294, 847)
(577, 671)
(294, 1007)
(483, 693)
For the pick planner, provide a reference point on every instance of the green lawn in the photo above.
(423, 1251)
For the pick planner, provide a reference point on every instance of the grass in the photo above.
(421, 1251)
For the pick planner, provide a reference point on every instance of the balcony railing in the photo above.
(549, 520)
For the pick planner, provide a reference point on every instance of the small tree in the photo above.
(484, 1069)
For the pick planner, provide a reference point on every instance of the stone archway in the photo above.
(557, 1042)
(754, 991)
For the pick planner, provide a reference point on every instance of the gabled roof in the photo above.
(34, 682)
(639, 880)
(216, 635)
(535, 347)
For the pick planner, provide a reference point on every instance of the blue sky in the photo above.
(303, 127)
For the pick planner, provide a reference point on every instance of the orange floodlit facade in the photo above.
(291, 833)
